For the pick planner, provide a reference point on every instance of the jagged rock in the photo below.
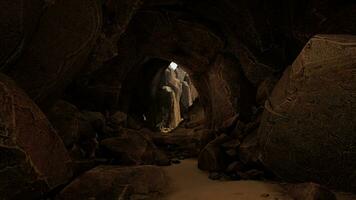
(31, 151)
(306, 133)
(76, 128)
(229, 124)
(132, 147)
(112, 182)
(309, 191)
(203, 137)
(212, 158)
(231, 147)
(264, 89)
(249, 150)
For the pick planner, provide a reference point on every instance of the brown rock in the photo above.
(112, 182)
(118, 120)
(75, 127)
(32, 150)
(306, 133)
(212, 158)
(249, 150)
(65, 119)
(309, 191)
(64, 38)
(132, 147)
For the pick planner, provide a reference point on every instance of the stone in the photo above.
(118, 120)
(307, 128)
(58, 50)
(203, 137)
(114, 182)
(133, 148)
(212, 158)
(19, 178)
(265, 89)
(309, 191)
(75, 127)
(248, 151)
(96, 119)
(133, 123)
(214, 175)
(65, 119)
(31, 151)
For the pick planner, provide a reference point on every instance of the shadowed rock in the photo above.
(308, 126)
(33, 157)
(112, 183)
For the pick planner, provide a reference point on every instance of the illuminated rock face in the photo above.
(33, 158)
(309, 124)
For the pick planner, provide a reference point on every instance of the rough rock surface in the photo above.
(112, 183)
(309, 191)
(133, 148)
(65, 119)
(30, 148)
(212, 157)
(307, 130)
(59, 48)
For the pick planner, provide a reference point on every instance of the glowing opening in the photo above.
(173, 65)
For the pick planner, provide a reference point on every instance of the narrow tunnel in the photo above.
(177, 99)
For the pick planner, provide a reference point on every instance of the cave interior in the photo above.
(177, 99)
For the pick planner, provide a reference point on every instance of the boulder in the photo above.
(309, 191)
(212, 157)
(133, 148)
(249, 150)
(96, 119)
(307, 129)
(113, 182)
(76, 129)
(58, 50)
(118, 120)
(33, 157)
(65, 119)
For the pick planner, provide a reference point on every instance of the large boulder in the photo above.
(33, 157)
(133, 148)
(308, 128)
(65, 119)
(212, 157)
(78, 130)
(113, 182)
(64, 38)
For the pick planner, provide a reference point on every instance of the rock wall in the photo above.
(33, 158)
(308, 126)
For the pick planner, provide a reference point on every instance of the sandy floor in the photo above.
(189, 183)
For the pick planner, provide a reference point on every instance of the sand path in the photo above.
(189, 183)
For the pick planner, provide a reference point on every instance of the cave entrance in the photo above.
(175, 98)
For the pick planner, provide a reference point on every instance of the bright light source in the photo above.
(173, 66)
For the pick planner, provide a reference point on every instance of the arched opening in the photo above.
(162, 96)
(174, 95)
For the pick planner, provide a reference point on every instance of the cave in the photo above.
(177, 99)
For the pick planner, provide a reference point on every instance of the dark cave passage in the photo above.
(177, 99)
